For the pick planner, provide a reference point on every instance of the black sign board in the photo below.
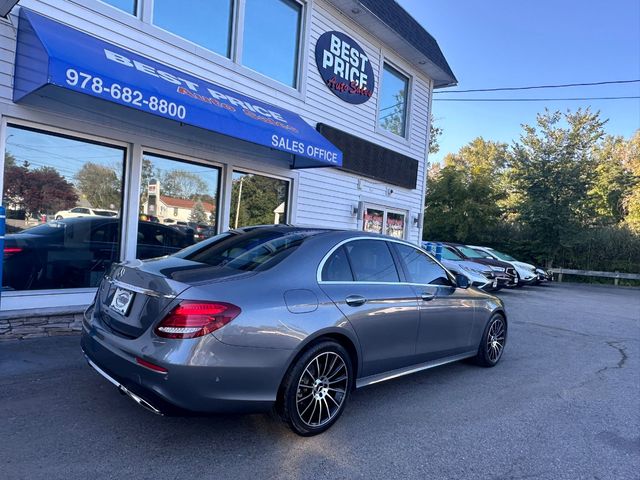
(345, 67)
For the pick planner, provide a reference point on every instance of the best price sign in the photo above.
(345, 67)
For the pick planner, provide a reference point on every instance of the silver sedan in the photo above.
(281, 316)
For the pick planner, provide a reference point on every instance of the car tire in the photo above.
(519, 283)
(494, 339)
(59, 217)
(316, 388)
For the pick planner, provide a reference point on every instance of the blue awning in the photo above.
(52, 54)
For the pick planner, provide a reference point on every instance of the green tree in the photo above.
(182, 184)
(631, 200)
(435, 132)
(198, 213)
(259, 198)
(100, 185)
(553, 169)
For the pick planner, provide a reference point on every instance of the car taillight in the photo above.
(192, 319)
(8, 251)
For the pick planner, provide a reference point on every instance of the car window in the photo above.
(448, 254)
(421, 268)
(76, 210)
(471, 253)
(337, 268)
(371, 261)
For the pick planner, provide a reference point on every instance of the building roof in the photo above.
(392, 24)
(184, 203)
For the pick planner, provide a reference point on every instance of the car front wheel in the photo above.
(316, 388)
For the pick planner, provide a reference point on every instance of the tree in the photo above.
(100, 185)
(46, 191)
(553, 168)
(260, 197)
(182, 184)
(631, 200)
(198, 213)
(435, 133)
(15, 182)
(146, 174)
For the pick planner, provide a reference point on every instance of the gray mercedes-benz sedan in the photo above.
(281, 316)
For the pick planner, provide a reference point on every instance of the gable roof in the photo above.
(185, 203)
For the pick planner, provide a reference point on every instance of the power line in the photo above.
(533, 87)
(531, 99)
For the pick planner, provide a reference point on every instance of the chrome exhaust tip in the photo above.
(139, 400)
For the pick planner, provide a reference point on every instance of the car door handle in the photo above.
(426, 296)
(355, 300)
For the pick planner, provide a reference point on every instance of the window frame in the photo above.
(142, 21)
(386, 210)
(249, 171)
(396, 258)
(47, 129)
(385, 60)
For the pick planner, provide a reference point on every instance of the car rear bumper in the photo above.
(203, 375)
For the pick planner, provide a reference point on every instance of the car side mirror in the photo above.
(462, 281)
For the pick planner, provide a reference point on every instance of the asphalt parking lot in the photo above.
(564, 403)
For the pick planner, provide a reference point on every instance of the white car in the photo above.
(526, 272)
(85, 212)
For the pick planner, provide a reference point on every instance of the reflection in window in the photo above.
(421, 268)
(181, 196)
(258, 200)
(129, 6)
(205, 22)
(392, 114)
(271, 38)
(67, 195)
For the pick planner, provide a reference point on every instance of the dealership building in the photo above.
(217, 114)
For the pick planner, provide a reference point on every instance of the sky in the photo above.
(499, 43)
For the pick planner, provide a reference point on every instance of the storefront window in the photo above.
(392, 113)
(178, 205)
(63, 198)
(373, 220)
(205, 22)
(129, 6)
(395, 224)
(258, 200)
(272, 50)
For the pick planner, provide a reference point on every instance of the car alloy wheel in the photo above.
(316, 388)
(493, 342)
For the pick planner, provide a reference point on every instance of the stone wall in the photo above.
(43, 323)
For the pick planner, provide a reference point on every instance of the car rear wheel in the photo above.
(58, 217)
(316, 388)
(493, 342)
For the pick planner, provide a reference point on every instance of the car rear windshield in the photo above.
(247, 251)
(46, 228)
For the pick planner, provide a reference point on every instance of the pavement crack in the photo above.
(623, 356)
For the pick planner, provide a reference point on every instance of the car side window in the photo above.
(337, 268)
(420, 268)
(371, 261)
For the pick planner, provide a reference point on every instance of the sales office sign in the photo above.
(345, 67)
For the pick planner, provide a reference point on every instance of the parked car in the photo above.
(79, 212)
(284, 316)
(527, 274)
(479, 275)
(504, 271)
(76, 252)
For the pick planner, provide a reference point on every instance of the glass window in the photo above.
(373, 220)
(272, 37)
(395, 224)
(337, 268)
(471, 253)
(449, 254)
(129, 6)
(371, 261)
(205, 22)
(421, 268)
(181, 196)
(258, 200)
(392, 114)
(54, 187)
